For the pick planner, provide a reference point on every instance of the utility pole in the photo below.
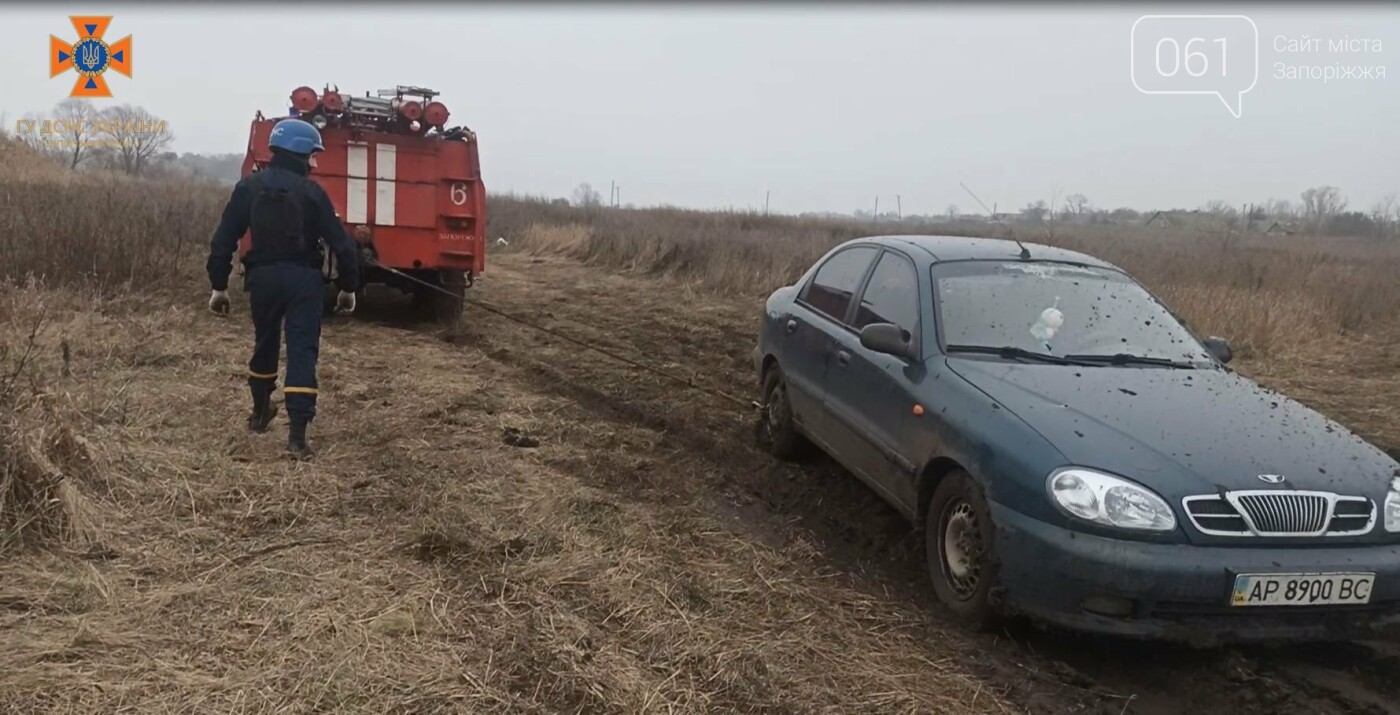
(899, 207)
(612, 191)
(619, 198)
(765, 201)
(876, 215)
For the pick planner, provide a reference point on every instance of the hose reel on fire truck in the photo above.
(403, 109)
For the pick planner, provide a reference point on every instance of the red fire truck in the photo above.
(407, 187)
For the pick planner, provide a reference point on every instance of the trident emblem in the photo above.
(90, 56)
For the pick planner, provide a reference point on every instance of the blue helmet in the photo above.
(296, 136)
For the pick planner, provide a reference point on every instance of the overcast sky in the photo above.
(827, 106)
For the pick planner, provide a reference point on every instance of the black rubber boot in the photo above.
(296, 442)
(263, 412)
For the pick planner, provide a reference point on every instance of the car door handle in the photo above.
(843, 357)
(791, 327)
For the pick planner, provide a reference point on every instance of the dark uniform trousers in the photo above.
(287, 294)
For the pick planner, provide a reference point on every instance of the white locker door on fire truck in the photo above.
(357, 183)
(386, 162)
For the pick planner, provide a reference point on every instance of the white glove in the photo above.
(218, 302)
(345, 303)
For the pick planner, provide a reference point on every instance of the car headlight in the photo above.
(1113, 501)
(1392, 506)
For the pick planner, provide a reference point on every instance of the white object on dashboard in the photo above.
(1048, 323)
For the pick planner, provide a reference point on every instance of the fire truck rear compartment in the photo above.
(411, 195)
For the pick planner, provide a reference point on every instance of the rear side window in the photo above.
(836, 281)
(892, 296)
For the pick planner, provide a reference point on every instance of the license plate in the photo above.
(1302, 589)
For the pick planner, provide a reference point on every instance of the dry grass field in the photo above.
(634, 552)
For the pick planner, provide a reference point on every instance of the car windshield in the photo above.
(1060, 309)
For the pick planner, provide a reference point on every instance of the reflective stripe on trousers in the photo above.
(290, 295)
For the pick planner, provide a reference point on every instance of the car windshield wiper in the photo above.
(1014, 353)
(1129, 359)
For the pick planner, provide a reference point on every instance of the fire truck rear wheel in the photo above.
(328, 296)
(447, 306)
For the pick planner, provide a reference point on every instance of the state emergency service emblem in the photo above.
(90, 56)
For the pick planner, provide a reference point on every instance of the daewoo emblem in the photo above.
(1271, 478)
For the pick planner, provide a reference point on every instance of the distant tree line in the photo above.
(123, 138)
(1320, 210)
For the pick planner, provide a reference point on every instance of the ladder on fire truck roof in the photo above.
(424, 92)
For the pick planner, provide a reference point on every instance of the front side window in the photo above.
(1057, 309)
(892, 295)
(831, 289)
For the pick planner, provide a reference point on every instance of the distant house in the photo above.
(995, 217)
(1278, 227)
(1184, 220)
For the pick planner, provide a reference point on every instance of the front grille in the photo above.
(1213, 515)
(1353, 515)
(1285, 513)
(1280, 513)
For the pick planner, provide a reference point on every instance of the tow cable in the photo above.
(747, 404)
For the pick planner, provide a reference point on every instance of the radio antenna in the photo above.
(1025, 252)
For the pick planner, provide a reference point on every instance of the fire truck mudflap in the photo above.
(407, 188)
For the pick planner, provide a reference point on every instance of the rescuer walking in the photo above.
(286, 213)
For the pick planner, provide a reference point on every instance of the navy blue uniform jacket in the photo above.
(320, 221)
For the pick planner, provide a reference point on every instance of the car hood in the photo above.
(1182, 432)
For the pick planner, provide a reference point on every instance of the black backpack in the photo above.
(278, 219)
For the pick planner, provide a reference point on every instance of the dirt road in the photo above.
(501, 521)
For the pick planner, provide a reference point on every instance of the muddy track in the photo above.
(710, 441)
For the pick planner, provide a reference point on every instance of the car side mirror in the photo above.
(1220, 348)
(888, 338)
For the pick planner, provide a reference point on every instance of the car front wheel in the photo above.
(777, 430)
(961, 551)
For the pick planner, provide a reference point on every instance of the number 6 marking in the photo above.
(459, 193)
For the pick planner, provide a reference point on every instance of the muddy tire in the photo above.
(328, 295)
(776, 429)
(960, 539)
(444, 307)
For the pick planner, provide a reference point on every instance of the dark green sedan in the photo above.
(1073, 452)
